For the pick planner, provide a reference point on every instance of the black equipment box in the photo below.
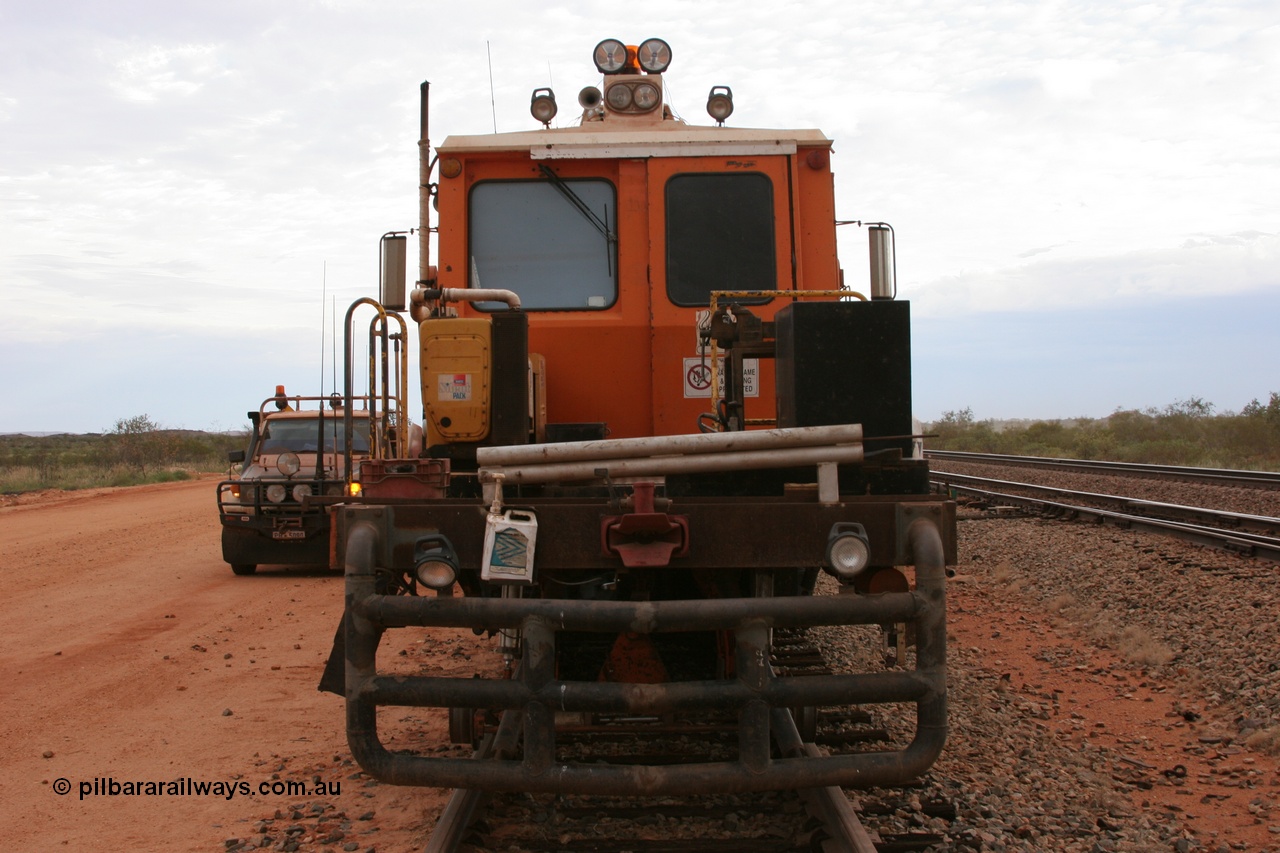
(847, 363)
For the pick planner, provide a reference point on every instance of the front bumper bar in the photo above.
(756, 693)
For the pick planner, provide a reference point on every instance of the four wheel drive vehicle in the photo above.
(274, 512)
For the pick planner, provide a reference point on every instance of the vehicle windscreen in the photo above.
(302, 435)
(550, 241)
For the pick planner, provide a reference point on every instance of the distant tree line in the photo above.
(138, 450)
(1187, 432)
(134, 450)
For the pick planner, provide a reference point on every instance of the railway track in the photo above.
(1241, 533)
(805, 821)
(1212, 476)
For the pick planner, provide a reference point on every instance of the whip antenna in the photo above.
(493, 104)
(324, 291)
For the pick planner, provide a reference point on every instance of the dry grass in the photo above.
(1064, 603)
(1136, 644)
(1265, 740)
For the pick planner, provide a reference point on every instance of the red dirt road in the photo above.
(124, 643)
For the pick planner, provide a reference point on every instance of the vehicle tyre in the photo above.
(244, 568)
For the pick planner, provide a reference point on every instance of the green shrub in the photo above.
(1186, 432)
(135, 451)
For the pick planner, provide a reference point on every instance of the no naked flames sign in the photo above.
(697, 377)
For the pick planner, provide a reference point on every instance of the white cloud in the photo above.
(154, 72)
(1205, 264)
(1074, 78)
(198, 169)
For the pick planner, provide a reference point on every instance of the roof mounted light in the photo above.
(646, 96)
(542, 105)
(720, 103)
(654, 55)
(610, 56)
(619, 96)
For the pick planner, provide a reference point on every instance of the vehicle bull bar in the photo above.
(756, 693)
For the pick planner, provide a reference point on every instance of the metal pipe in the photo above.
(348, 422)
(648, 699)
(662, 465)
(665, 445)
(479, 294)
(491, 614)
(422, 300)
(861, 770)
(755, 689)
(424, 187)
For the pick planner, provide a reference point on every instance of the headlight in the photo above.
(435, 562)
(287, 463)
(654, 55)
(276, 493)
(301, 491)
(848, 551)
(618, 96)
(646, 96)
(610, 56)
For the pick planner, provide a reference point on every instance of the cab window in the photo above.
(719, 236)
(551, 242)
(302, 435)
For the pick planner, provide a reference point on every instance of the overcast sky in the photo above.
(1086, 196)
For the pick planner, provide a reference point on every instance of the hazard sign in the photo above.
(697, 377)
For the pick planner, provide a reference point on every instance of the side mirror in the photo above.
(235, 456)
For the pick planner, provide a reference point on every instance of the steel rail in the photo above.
(1233, 521)
(1220, 476)
(828, 803)
(460, 811)
(1245, 544)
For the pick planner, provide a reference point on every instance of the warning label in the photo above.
(453, 387)
(697, 377)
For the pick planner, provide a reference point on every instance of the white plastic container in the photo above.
(509, 540)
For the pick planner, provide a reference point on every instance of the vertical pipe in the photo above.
(348, 426)
(929, 559)
(375, 434)
(752, 659)
(424, 189)
(402, 387)
(537, 669)
(361, 638)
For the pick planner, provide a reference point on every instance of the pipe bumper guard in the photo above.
(758, 695)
